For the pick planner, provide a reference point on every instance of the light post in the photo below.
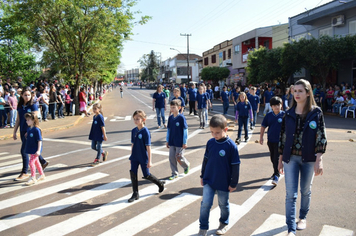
(187, 35)
(188, 69)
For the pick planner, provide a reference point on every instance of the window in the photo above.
(229, 53)
(213, 58)
(206, 61)
(237, 48)
(352, 27)
(182, 70)
(224, 55)
(266, 44)
(327, 32)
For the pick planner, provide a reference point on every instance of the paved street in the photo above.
(77, 199)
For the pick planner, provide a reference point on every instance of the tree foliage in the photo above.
(214, 73)
(149, 64)
(319, 56)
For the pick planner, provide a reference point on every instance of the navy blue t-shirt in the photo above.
(210, 93)
(225, 96)
(96, 133)
(192, 94)
(160, 98)
(274, 124)
(140, 139)
(236, 95)
(243, 109)
(181, 99)
(33, 136)
(220, 158)
(176, 126)
(21, 113)
(183, 92)
(201, 99)
(268, 95)
(254, 100)
(258, 92)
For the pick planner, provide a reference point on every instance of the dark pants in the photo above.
(273, 149)
(225, 107)
(60, 109)
(2, 114)
(52, 109)
(242, 122)
(7, 111)
(145, 170)
(25, 159)
(192, 107)
(68, 108)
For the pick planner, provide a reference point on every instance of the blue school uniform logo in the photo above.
(279, 120)
(222, 153)
(312, 125)
(28, 110)
(140, 136)
(95, 122)
(31, 135)
(246, 107)
(177, 124)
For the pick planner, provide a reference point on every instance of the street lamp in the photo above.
(187, 35)
(188, 69)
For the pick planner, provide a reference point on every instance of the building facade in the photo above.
(175, 69)
(133, 75)
(337, 18)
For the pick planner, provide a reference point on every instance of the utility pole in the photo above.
(188, 68)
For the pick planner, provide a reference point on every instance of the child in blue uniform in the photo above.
(255, 104)
(34, 147)
(211, 96)
(267, 96)
(192, 97)
(243, 111)
(159, 103)
(141, 154)
(219, 174)
(201, 105)
(98, 134)
(225, 99)
(177, 95)
(177, 136)
(273, 120)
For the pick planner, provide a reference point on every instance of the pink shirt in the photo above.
(13, 102)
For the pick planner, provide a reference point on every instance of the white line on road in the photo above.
(61, 204)
(329, 230)
(274, 225)
(9, 157)
(50, 190)
(152, 216)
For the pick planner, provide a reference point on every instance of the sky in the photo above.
(209, 22)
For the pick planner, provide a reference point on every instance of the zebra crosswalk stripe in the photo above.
(61, 204)
(274, 225)
(329, 230)
(20, 185)
(152, 216)
(9, 157)
(50, 190)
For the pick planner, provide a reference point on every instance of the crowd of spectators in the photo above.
(55, 100)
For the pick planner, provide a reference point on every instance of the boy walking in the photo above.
(177, 135)
(273, 120)
(255, 104)
(219, 174)
(225, 98)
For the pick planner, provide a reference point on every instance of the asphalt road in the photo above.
(77, 199)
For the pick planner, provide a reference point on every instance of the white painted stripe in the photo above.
(141, 100)
(127, 117)
(274, 225)
(49, 168)
(193, 228)
(11, 162)
(150, 117)
(10, 169)
(20, 185)
(95, 214)
(9, 157)
(152, 216)
(50, 190)
(66, 141)
(238, 214)
(61, 204)
(329, 230)
(3, 153)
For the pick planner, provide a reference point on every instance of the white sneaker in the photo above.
(42, 177)
(222, 229)
(302, 224)
(31, 181)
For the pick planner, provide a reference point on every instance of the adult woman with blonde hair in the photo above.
(301, 146)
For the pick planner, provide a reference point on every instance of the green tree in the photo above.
(149, 64)
(74, 31)
(214, 73)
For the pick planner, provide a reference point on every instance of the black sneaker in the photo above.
(238, 141)
(246, 139)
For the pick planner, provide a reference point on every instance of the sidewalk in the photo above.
(49, 126)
